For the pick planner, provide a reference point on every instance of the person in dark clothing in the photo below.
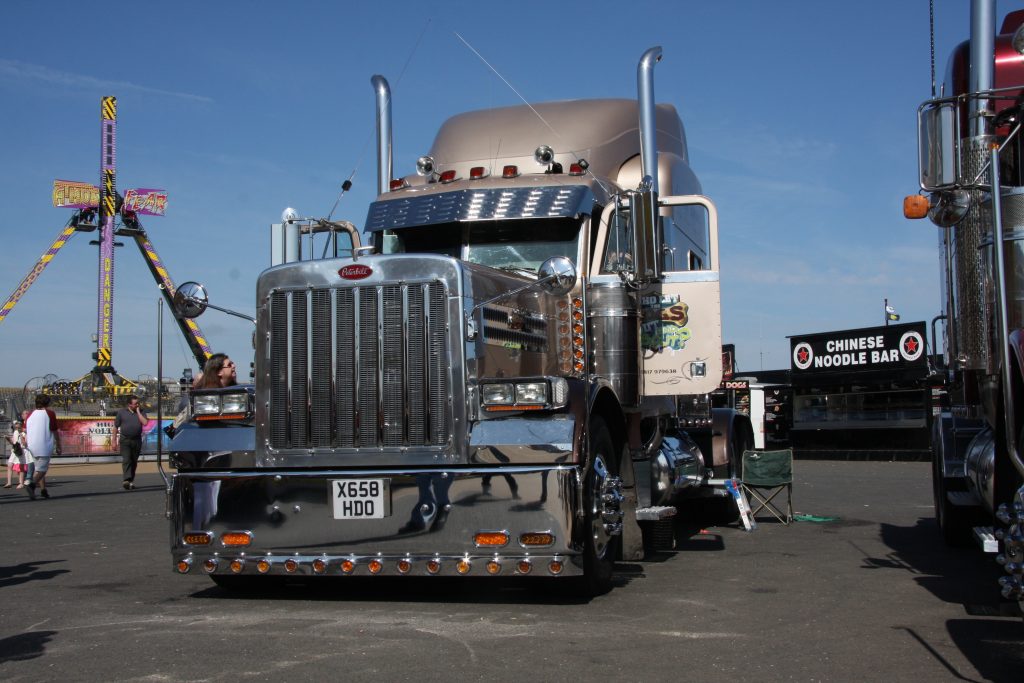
(128, 427)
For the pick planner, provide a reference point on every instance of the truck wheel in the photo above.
(723, 509)
(602, 512)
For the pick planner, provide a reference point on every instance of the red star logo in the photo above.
(802, 355)
(911, 346)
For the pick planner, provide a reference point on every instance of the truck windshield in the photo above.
(507, 244)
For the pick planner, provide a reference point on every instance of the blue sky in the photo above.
(800, 117)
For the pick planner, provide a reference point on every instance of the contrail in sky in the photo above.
(10, 70)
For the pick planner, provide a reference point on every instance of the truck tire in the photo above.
(954, 521)
(602, 513)
(723, 509)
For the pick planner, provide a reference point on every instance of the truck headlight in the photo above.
(208, 404)
(235, 403)
(532, 392)
(498, 394)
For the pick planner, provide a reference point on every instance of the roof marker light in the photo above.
(510, 171)
(448, 176)
(397, 184)
(477, 172)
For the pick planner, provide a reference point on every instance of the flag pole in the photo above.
(885, 311)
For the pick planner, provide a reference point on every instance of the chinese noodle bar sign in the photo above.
(871, 348)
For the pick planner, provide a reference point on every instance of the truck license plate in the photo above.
(360, 498)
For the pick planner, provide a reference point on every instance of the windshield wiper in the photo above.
(525, 272)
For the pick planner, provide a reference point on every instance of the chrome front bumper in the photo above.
(431, 526)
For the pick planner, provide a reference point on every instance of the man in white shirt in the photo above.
(43, 441)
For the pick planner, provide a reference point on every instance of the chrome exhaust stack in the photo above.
(384, 163)
(648, 125)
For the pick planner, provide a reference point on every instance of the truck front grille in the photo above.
(360, 367)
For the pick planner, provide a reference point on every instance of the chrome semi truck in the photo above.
(510, 378)
(972, 187)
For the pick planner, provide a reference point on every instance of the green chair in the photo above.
(765, 474)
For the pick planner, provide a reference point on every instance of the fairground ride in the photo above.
(113, 215)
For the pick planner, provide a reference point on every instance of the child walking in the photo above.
(18, 461)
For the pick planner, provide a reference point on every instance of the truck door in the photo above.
(681, 320)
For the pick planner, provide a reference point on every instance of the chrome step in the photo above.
(655, 513)
(983, 535)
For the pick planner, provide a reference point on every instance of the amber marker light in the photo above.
(319, 566)
(915, 206)
(210, 564)
(184, 565)
(197, 538)
(404, 566)
(375, 566)
(347, 566)
(433, 566)
(555, 567)
(263, 566)
(463, 566)
(493, 567)
(536, 539)
(524, 566)
(498, 409)
(236, 538)
(237, 566)
(290, 565)
(491, 539)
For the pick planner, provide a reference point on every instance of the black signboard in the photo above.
(888, 348)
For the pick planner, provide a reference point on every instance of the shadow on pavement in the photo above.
(24, 646)
(963, 576)
(470, 590)
(29, 571)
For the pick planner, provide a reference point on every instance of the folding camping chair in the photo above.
(765, 474)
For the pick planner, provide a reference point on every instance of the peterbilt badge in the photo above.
(355, 272)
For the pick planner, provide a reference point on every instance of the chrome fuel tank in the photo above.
(614, 320)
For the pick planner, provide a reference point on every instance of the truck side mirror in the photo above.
(190, 300)
(937, 132)
(557, 276)
(643, 207)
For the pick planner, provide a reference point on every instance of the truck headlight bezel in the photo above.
(525, 394)
(233, 404)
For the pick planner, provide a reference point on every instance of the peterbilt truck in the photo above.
(972, 187)
(510, 378)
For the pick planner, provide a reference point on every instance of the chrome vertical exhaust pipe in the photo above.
(383, 90)
(983, 30)
(648, 127)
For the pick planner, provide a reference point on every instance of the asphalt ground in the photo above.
(88, 593)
